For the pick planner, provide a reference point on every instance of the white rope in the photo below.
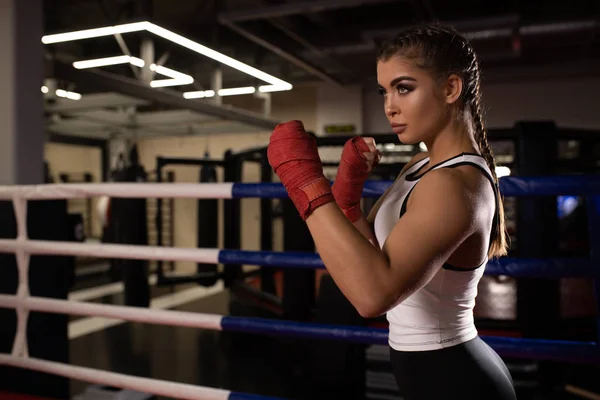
(143, 385)
(118, 189)
(109, 250)
(134, 314)
(24, 303)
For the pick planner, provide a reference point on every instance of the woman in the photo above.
(421, 252)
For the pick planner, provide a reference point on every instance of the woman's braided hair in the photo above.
(442, 51)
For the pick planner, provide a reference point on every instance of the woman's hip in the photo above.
(469, 370)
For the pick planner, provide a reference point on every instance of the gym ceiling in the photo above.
(331, 41)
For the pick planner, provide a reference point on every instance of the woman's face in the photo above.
(414, 103)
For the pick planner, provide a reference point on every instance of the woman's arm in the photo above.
(366, 230)
(438, 218)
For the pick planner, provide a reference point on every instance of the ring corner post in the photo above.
(538, 300)
(232, 217)
(158, 220)
(267, 276)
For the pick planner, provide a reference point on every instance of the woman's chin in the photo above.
(407, 139)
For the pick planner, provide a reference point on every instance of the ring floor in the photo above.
(247, 363)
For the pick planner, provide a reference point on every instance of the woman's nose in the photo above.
(390, 109)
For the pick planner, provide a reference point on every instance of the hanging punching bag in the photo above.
(129, 225)
(207, 226)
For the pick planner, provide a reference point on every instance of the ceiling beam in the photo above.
(131, 87)
(307, 7)
(93, 101)
(282, 53)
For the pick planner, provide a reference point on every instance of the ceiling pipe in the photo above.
(490, 28)
(472, 29)
(307, 7)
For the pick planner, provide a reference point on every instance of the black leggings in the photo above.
(468, 371)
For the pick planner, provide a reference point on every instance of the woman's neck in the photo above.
(452, 140)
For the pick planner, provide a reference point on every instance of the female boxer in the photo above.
(421, 252)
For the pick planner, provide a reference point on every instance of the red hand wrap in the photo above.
(351, 176)
(294, 157)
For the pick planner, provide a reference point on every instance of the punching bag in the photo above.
(208, 226)
(128, 224)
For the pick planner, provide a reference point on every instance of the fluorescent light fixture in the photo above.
(177, 78)
(94, 33)
(171, 82)
(68, 95)
(102, 62)
(274, 88)
(167, 72)
(236, 91)
(200, 94)
(63, 93)
(173, 37)
(138, 62)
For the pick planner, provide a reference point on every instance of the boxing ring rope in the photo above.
(23, 248)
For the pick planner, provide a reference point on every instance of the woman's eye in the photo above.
(403, 89)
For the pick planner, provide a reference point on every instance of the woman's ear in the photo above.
(454, 88)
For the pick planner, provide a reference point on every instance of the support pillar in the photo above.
(216, 84)
(22, 139)
(21, 101)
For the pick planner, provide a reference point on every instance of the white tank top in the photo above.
(439, 314)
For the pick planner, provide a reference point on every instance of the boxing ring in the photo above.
(23, 302)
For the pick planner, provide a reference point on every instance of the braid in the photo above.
(498, 245)
(476, 110)
(443, 51)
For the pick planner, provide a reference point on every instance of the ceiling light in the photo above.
(68, 95)
(102, 62)
(178, 78)
(274, 88)
(200, 94)
(222, 92)
(94, 33)
(236, 91)
(171, 82)
(173, 37)
(138, 62)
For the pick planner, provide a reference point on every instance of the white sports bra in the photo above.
(439, 314)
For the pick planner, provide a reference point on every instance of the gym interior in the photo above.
(122, 92)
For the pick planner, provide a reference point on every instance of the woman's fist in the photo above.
(293, 155)
(372, 155)
(359, 157)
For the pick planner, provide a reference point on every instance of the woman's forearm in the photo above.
(359, 268)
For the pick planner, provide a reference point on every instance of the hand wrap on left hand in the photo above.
(293, 155)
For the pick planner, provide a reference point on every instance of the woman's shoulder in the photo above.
(415, 159)
(467, 186)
